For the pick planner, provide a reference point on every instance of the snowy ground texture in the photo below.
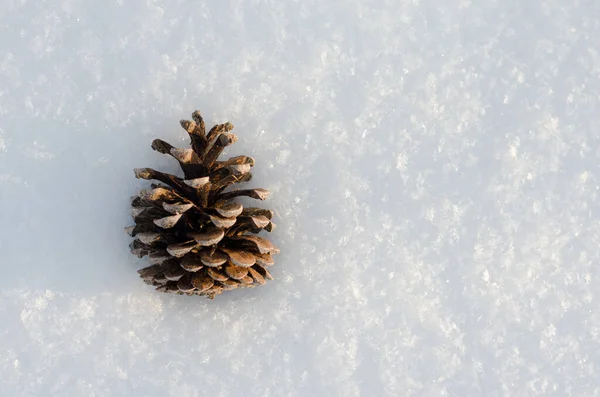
(434, 166)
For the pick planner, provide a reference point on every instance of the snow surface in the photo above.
(434, 166)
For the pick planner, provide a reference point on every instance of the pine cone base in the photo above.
(198, 239)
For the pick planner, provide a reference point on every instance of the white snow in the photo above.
(433, 164)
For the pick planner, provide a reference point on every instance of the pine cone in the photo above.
(198, 240)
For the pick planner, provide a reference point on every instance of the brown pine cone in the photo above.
(199, 241)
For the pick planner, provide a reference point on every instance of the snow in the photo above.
(433, 166)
